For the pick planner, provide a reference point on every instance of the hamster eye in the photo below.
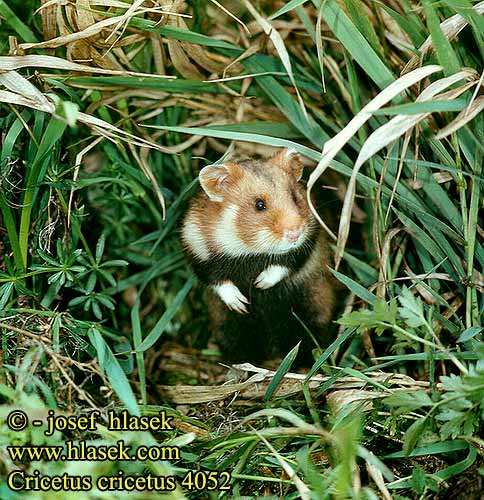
(260, 205)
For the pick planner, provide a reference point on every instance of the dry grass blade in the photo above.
(334, 145)
(384, 255)
(89, 30)
(110, 131)
(182, 62)
(13, 98)
(26, 92)
(379, 377)
(189, 394)
(256, 385)
(450, 28)
(462, 118)
(280, 48)
(319, 45)
(106, 3)
(11, 63)
(377, 476)
(48, 18)
(383, 136)
(233, 16)
(340, 401)
(124, 19)
(304, 491)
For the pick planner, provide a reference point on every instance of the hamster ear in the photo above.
(216, 180)
(288, 159)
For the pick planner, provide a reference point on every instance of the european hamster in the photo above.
(252, 238)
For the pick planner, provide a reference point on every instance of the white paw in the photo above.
(231, 296)
(270, 276)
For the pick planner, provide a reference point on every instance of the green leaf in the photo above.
(404, 402)
(137, 339)
(459, 467)
(329, 351)
(470, 333)
(363, 22)
(167, 316)
(356, 288)
(409, 23)
(111, 367)
(412, 309)
(382, 313)
(413, 434)
(70, 111)
(432, 449)
(418, 480)
(283, 368)
(50, 137)
(100, 247)
(5, 294)
(452, 382)
(274, 129)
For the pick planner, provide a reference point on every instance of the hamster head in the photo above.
(261, 206)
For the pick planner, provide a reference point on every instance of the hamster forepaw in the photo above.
(231, 296)
(270, 276)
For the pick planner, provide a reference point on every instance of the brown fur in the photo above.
(274, 182)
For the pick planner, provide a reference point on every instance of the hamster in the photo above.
(252, 239)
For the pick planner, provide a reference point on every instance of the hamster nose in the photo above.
(292, 235)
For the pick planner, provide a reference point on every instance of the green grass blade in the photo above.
(137, 339)
(166, 317)
(287, 104)
(355, 43)
(356, 288)
(362, 22)
(15, 23)
(414, 108)
(244, 136)
(50, 137)
(283, 368)
(292, 4)
(445, 53)
(116, 376)
(408, 24)
(459, 467)
(432, 449)
(329, 351)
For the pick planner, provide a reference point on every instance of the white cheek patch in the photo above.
(271, 276)
(265, 241)
(225, 234)
(231, 296)
(194, 238)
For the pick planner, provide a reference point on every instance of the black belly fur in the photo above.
(270, 328)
